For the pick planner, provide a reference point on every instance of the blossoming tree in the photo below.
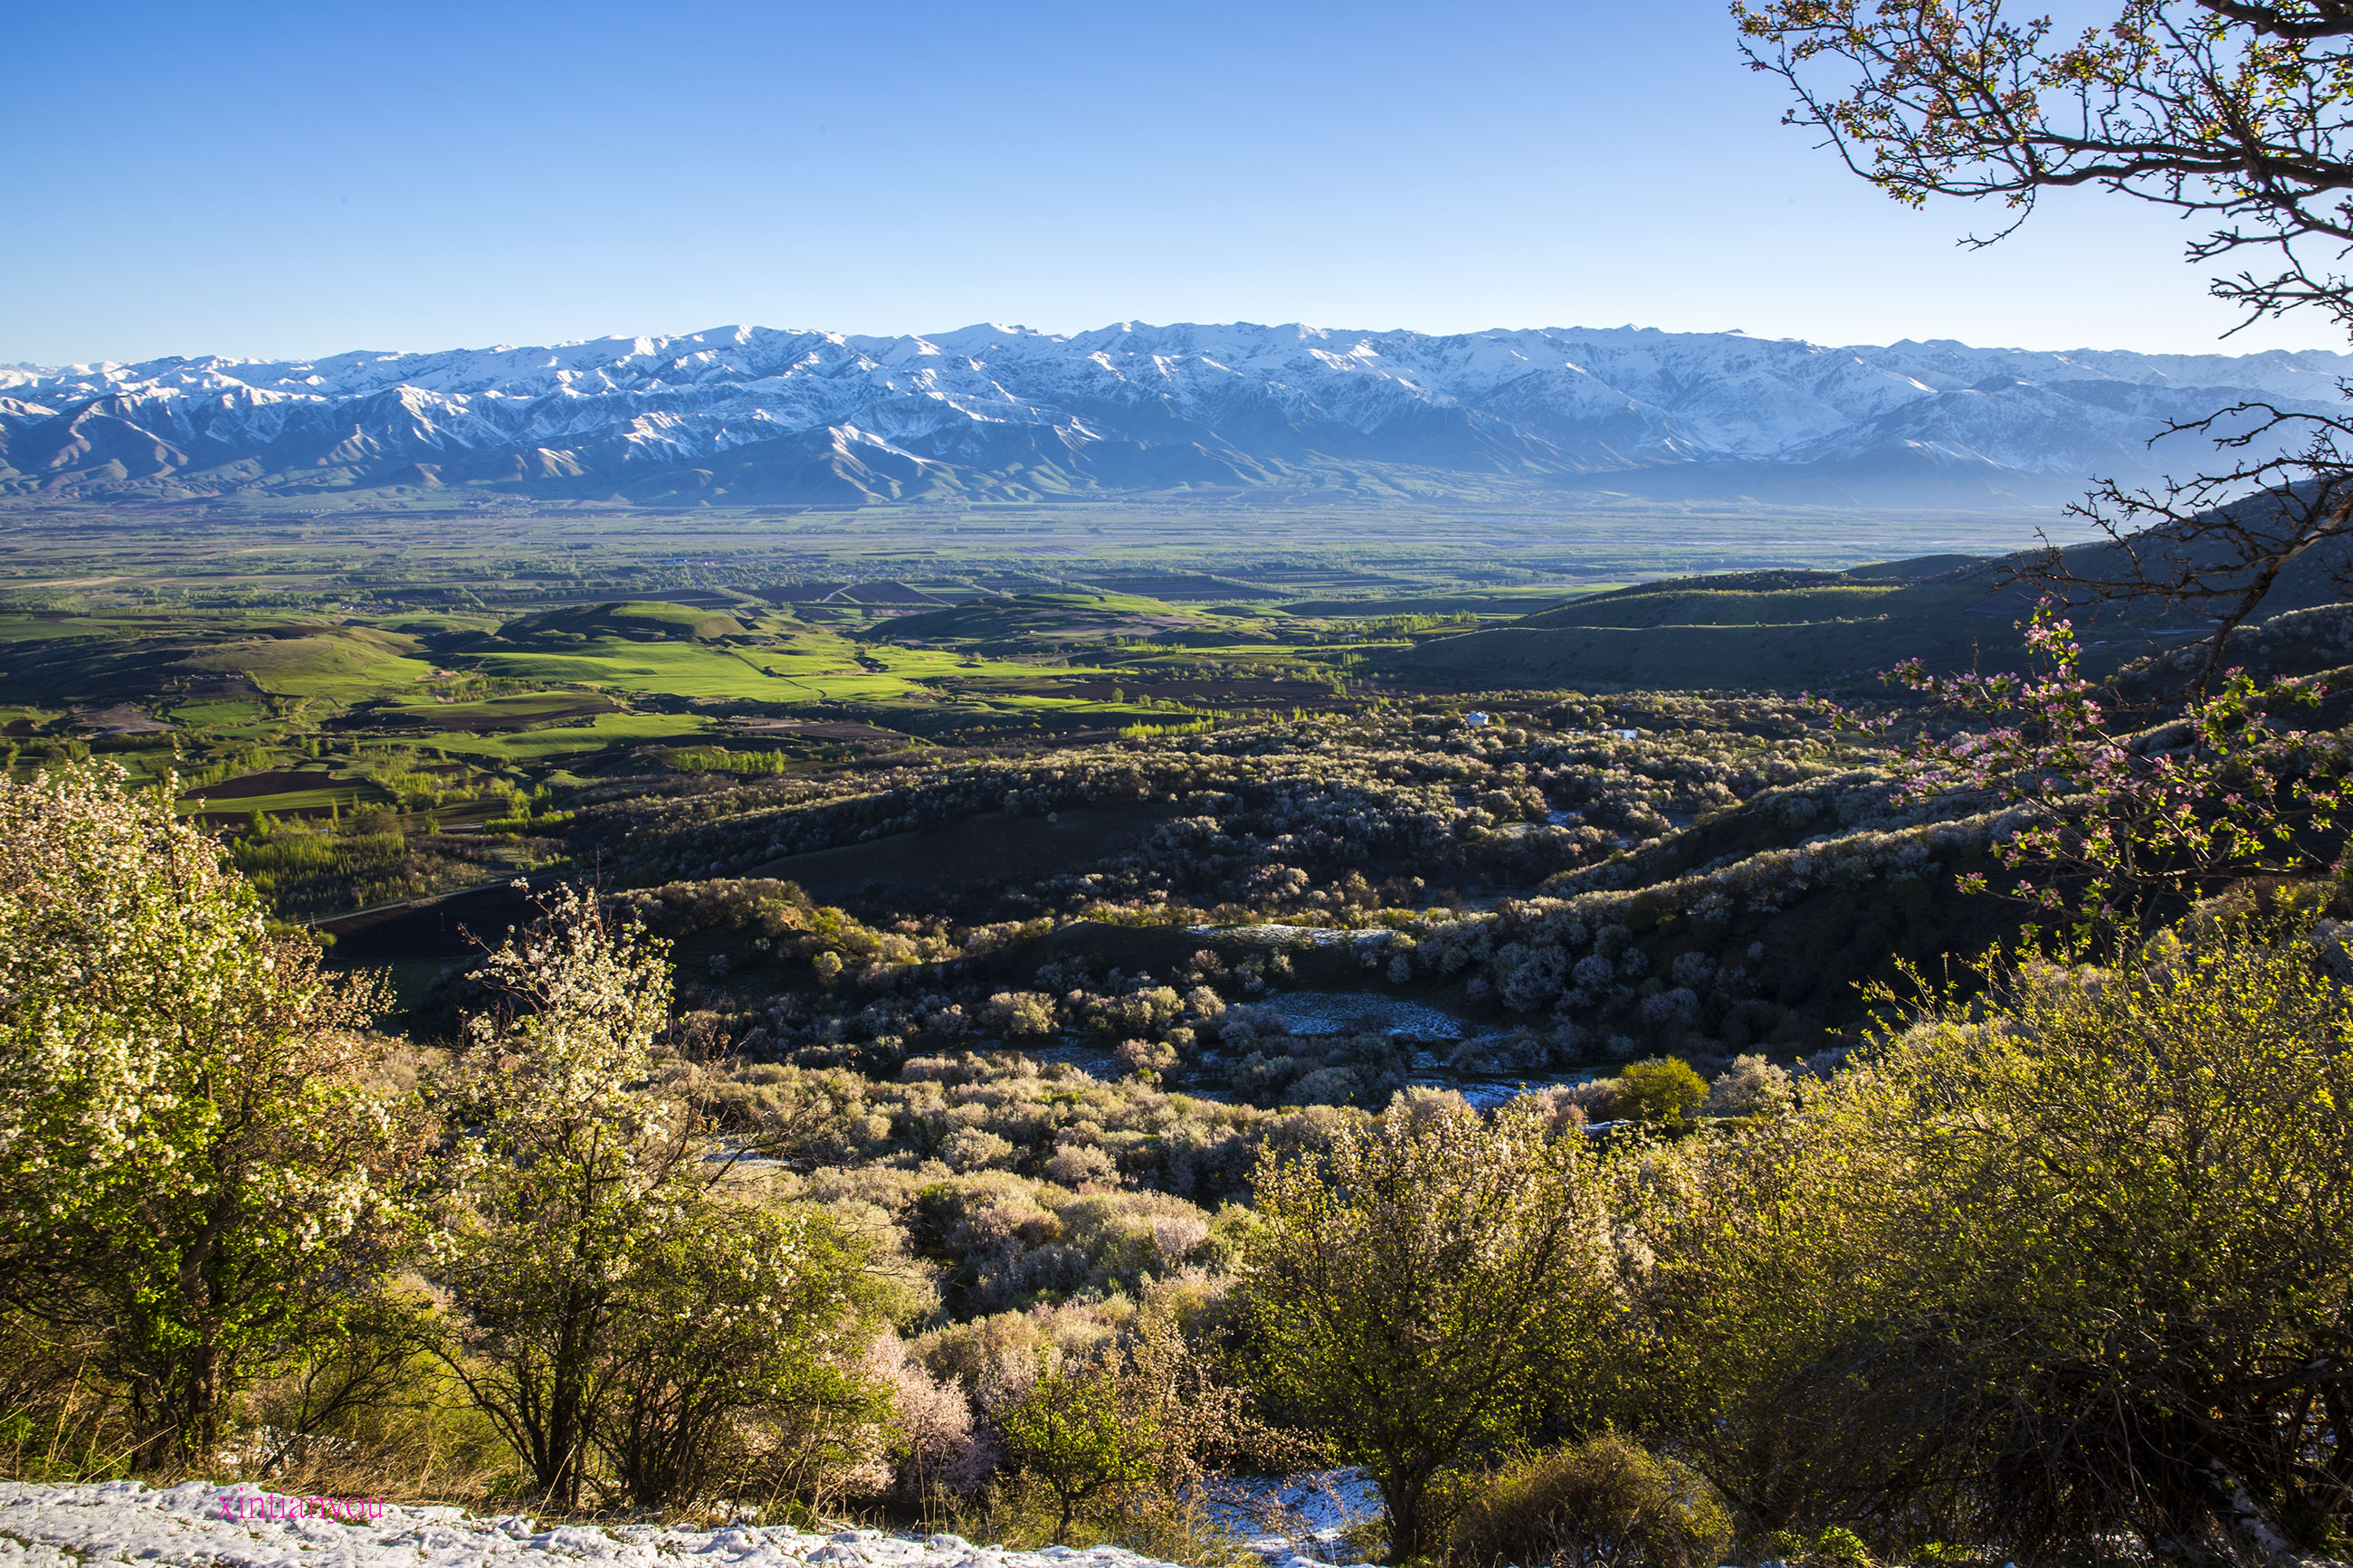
(201, 1165)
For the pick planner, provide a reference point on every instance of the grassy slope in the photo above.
(1754, 631)
(627, 618)
(681, 670)
(1717, 607)
(575, 740)
(523, 710)
(1034, 616)
(346, 794)
(342, 664)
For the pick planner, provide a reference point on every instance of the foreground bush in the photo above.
(2075, 1261)
(1142, 1426)
(1411, 1287)
(609, 1299)
(1070, 1434)
(1603, 1503)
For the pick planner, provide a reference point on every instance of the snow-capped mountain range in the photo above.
(755, 414)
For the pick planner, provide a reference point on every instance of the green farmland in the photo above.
(296, 675)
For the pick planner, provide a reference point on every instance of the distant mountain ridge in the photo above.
(758, 415)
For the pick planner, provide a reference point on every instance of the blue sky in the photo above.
(297, 179)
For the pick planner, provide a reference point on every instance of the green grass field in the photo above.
(677, 669)
(345, 664)
(604, 732)
(523, 710)
(307, 790)
(581, 642)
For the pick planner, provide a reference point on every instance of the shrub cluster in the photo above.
(1714, 876)
(2063, 1266)
(1041, 1201)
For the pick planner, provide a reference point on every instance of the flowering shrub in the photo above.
(606, 1299)
(2099, 816)
(201, 1165)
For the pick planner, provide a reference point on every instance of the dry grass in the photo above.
(420, 1443)
(1020, 1515)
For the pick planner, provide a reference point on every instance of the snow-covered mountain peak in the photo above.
(993, 408)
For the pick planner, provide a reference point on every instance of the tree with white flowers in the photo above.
(566, 1167)
(201, 1164)
(612, 1303)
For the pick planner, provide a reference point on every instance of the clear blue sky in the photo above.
(297, 179)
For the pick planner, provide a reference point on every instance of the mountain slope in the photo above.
(756, 414)
(1839, 631)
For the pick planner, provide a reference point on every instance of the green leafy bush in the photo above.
(202, 1162)
(1662, 1091)
(1070, 1433)
(2072, 1259)
(1602, 1503)
(1414, 1286)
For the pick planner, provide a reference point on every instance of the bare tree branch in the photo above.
(2234, 110)
(2216, 544)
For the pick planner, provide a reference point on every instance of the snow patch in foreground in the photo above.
(1295, 1520)
(123, 1522)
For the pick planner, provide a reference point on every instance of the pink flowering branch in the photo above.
(2106, 815)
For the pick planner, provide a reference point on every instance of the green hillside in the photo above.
(1744, 631)
(1811, 596)
(339, 663)
(1039, 620)
(633, 620)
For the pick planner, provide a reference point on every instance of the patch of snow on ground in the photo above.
(1277, 934)
(1356, 1013)
(1295, 1522)
(123, 1522)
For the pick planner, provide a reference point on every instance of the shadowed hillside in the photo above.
(1792, 630)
